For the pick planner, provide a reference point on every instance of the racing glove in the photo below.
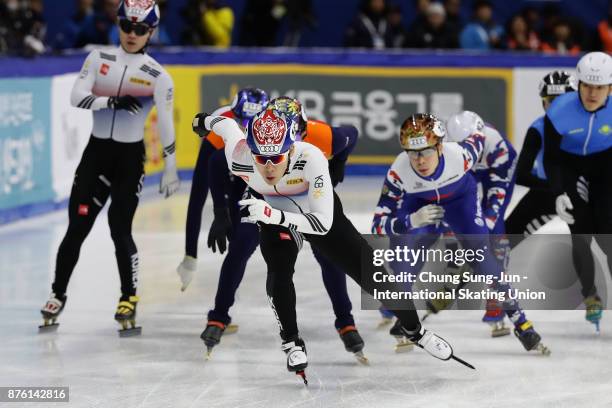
(125, 102)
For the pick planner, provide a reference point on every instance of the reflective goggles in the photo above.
(138, 28)
(275, 159)
(427, 152)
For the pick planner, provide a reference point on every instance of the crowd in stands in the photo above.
(439, 25)
(378, 24)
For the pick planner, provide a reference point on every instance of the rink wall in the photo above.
(42, 136)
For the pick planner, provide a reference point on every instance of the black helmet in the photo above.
(556, 83)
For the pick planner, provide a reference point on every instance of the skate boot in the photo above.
(494, 316)
(594, 310)
(212, 335)
(403, 344)
(126, 316)
(50, 312)
(386, 317)
(529, 338)
(297, 361)
(433, 344)
(353, 343)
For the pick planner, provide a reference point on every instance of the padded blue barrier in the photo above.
(55, 65)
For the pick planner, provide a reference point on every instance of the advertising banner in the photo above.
(25, 142)
(374, 100)
(186, 105)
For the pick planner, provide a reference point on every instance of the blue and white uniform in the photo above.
(495, 170)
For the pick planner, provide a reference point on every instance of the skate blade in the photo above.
(597, 330)
(361, 358)
(545, 351)
(384, 322)
(231, 329)
(134, 331)
(48, 328)
(426, 315)
(302, 374)
(403, 346)
(500, 332)
(208, 354)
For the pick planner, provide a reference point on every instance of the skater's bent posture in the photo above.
(305, 208)
(429, 186)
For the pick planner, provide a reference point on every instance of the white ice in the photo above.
(165, 367)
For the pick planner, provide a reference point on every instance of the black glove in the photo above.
(125, 102)
(198, 124)
(220, 230)
(336, 170)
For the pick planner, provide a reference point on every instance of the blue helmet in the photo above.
(248, 102)
(271, 132)
(139, 11)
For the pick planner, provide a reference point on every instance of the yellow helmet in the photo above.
(420, 131)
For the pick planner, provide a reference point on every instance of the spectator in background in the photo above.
(217, 21)
(396, 34)
(433, 32)
(100, 28)
(453, 16)
(261, 21)
(370, 28)
(300, 15)
(550, 14)
(562, 41)
(421, 12)
(482, 33)
(69, 34)
(604, 31)
(161, 36)
(22, 27)
(520, 36)
(532, 19)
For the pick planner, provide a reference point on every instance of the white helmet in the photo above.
(139, 11)
(595, 68)
(463, 124)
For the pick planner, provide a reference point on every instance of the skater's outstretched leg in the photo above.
(232, 270)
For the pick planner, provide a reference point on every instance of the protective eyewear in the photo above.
(425, 153)
(138, 28)
(275, 159)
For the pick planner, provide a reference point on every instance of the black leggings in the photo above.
(197, 198)
(107, 168)
(342, 246)
(534, 210)
(593, 219)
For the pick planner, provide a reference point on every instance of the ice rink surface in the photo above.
(165, 367)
